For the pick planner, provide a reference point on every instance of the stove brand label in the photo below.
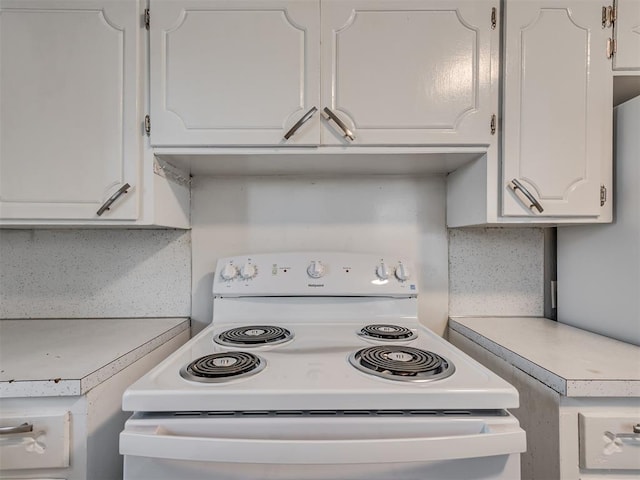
(315, 284)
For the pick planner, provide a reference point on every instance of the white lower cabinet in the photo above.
(555, 164)
(71, 437)
(568, 438)
(71, 133)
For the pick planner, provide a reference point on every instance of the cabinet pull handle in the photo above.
(347, 133)
(634, 437)
(105, 206)
(24, 428)
(300, 122)
(516, 185)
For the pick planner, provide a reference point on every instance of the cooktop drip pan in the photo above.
(387, 332)
(220, 367)
(402, 363)
(253, 336)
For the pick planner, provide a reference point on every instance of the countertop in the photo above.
(61, 357)
(571, 361)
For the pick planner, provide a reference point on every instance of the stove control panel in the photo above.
(314, 274)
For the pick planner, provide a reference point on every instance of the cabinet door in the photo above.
(234, 72)
(627, 33)
(410, 72)
(68, 130)
(557, 124)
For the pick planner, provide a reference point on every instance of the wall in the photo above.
(467, 271)
(95, 273)
(599, 265)
(394, 215)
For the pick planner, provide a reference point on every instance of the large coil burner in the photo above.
(254, 336)
(387, 332)
(219, 367)
(397, 362)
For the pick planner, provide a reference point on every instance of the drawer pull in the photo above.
(23, 428)
(633, 437)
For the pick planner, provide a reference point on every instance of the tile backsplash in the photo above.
(95, 273)
(496, 271)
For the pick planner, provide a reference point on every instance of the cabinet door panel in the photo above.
(407, 72)
(233, 72)
(627, 33)
(68, 130)
(557, 113)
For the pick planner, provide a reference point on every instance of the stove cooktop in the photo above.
(319, 366)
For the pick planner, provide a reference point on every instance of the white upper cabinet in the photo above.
(234, 72)
(68, 125)
(322, 72)
(409, 72)
(627, 35)
(557, 123)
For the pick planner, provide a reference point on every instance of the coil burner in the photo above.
(254, 336)
(397, 362)
(387, 332)
(219, 367)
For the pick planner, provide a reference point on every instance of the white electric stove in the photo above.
(315, 367)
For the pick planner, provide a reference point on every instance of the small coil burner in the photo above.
(402, 363)
(254, 336)
(219, 367)
(387, 332)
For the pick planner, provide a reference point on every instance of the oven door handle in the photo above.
(160, 443)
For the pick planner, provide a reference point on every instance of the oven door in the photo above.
(322, 445)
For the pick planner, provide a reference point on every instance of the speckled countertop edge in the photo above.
(72, 387)
(565, 387)
(550, 379)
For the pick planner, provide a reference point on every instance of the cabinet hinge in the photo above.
(493, 124)
(603, 195)
(609, 14)
(147, 18)
(611, 47)
(147, 125)
(494, 18)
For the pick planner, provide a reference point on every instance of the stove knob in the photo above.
(229, 272)
(315, 269)
(248, 271)
(382, 271)
(402, 272)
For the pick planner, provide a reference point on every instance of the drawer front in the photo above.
(43, 443)
(609, 442)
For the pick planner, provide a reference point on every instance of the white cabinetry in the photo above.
(626, 31)
(557, 119)
(71, 131)
(393, 72)
(555, 165)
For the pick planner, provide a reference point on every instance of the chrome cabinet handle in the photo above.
(105, 206)
(347, 133)
(24, 428)
(300, 122)
(516, 185)
(634, 437)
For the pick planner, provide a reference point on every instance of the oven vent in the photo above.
(335, 413)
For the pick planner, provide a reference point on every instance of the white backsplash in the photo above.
(395, 215)
(95, 273)
(496, 271)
